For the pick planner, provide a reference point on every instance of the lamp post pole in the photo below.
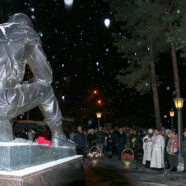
(180, 159)
(98, 122)
(99, 114)
(179, 105)
(172, 124)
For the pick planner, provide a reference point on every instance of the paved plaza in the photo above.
(112, 172)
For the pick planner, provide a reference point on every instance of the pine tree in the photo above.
(139, 45)
(176, 34)
(149, 28)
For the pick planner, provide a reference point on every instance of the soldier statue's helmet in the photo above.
(21, 18)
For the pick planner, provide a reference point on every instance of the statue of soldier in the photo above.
(20, 45)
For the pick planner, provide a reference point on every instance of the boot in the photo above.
(59, 138)
(147, 164)
(173, 169)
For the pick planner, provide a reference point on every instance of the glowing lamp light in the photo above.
(68, 2)
(99, 102)
(95, 92)
(98, 114)
(107, 22)
(178, 103)
(171, 113)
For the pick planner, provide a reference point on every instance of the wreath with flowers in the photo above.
(127, 155)
(96, 153)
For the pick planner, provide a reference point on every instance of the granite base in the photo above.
(14, 156)
(64, 172)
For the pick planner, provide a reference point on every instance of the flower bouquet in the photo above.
(95, 155)
(127, 157)
(42, 140)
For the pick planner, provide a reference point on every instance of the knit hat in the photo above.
(150, 131)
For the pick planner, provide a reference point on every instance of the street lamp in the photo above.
(95, 92)
(99, 102)
(179, 105)
(99, 115)
(172, 117)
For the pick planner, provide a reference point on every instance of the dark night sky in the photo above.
(79, 48)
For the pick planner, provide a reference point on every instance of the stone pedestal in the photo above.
(14, 156)
(62, 172)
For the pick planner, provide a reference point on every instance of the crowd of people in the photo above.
(161, 149)
(110, 141)
(157, 149)
(32, 134)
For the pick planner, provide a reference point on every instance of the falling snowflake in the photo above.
(41, 34)
(107, 22)
(33, 16)
(68, 2)
(165, 116)
(167, 88)
(178, 11)
(32, 9)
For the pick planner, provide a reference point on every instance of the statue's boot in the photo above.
(6, 134)
(59, 138)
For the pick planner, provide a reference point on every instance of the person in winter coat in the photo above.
(115, 134)
(100, 138)
(184, 150)
(79, 139)
(91, 138)
(148, 141)
(121, 142)
(167, 136)
(110, 145)
(157, 160)
(172, 150)
(134, 143)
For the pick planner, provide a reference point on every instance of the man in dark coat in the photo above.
(100, 138)
(109, 147)
(79, 139)
(115, 138)
(121, 142)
